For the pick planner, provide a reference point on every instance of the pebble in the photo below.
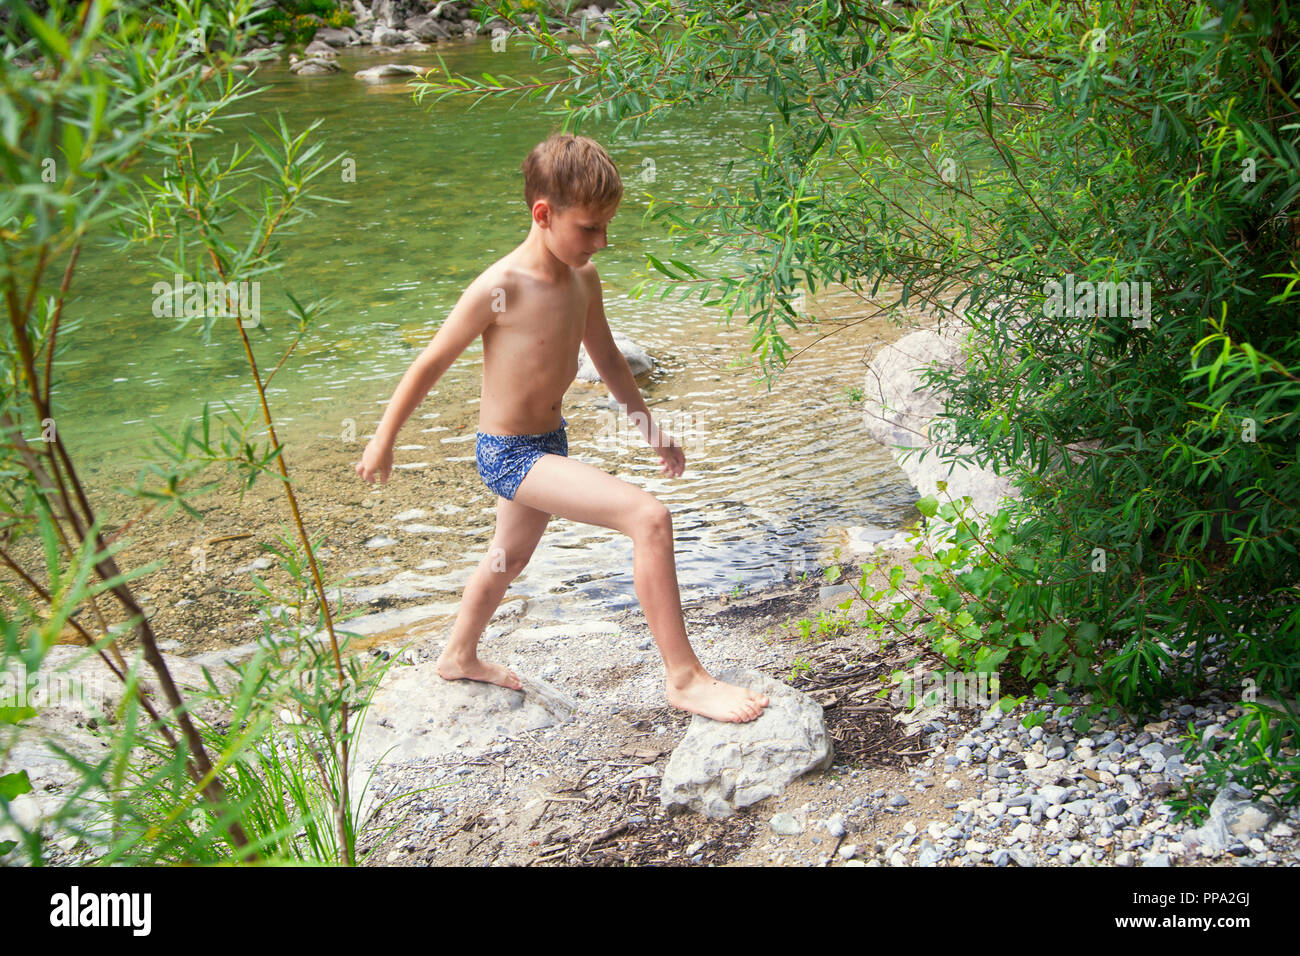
(786, 825)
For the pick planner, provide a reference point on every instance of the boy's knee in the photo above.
(654, 518)
(500, 561)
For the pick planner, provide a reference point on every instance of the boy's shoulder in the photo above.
(504, 277)
(499, 275)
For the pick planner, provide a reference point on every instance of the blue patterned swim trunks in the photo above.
(504, 460)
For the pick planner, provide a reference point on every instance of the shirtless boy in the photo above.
(533, 307)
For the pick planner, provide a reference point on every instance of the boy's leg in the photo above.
(518, 530)
(578, 491)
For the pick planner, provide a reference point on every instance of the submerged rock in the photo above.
(385, 70)
(312, 66)
(637, 359)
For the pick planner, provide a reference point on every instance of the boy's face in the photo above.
(578, 233)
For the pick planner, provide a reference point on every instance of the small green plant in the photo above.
(801, 666)
(826, 625)
(1255, 750)
(853, 394)
(739, 589)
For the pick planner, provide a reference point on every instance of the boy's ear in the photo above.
(542, 213)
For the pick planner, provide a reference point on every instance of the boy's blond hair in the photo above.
(570, 170)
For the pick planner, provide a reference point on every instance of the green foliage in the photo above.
(977, 160)
(109, 122)
(299, 20)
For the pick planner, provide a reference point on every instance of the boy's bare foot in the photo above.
(449, 668)
(709, 697)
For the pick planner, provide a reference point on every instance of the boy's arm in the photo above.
(618, 378)
(466, 322)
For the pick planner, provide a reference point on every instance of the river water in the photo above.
(774, 476)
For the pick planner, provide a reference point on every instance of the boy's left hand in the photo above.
(671, 455)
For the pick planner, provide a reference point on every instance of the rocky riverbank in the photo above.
(937, 787)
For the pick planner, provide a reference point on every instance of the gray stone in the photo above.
(637, 359)
(336, 38)
(386, 36)
(1053, 794)
(318, 49)
(898, 801)
(415, 714)
(427, 29)
(720, 767)
(385, 70)
(835, 593)
(313, 66)
(1233, 815)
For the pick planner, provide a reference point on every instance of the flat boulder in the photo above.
(415, 714)
(428, 29)
(385, 70)
(720, 767)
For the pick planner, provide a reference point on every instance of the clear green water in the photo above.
(437, 197)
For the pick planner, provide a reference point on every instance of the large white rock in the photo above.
(898, 411)
(336, 38)
(75, 696)
(720, 767)
(1234, 816)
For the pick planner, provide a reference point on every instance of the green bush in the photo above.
(297, 19)
(134, 155)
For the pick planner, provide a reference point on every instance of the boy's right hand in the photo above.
(377, 459)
